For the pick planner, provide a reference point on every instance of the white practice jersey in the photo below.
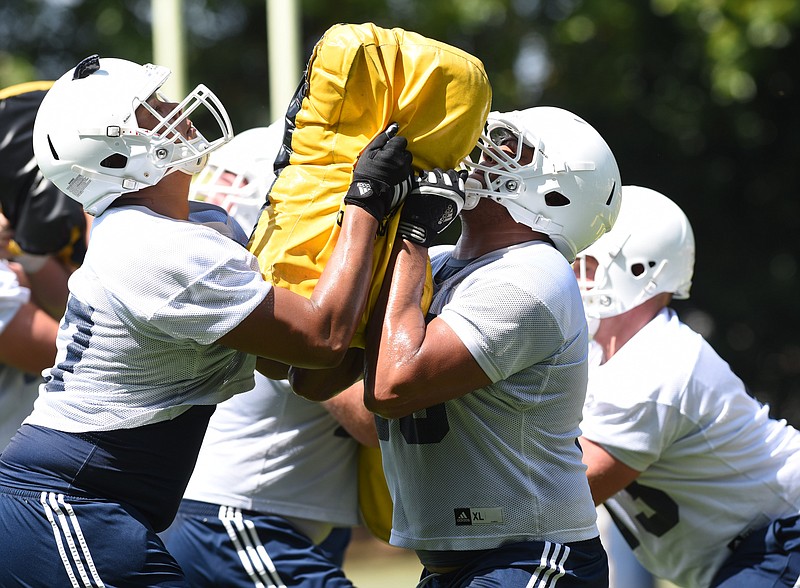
(500, 464)
(714, 465)
(272, 451)
(137, 342)
(18, 390)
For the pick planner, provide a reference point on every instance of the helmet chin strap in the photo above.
(471, 197)
(194, 166)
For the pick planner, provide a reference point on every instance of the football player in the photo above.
(480, 401)
(703, 484)
(164, 320)
(274, 492)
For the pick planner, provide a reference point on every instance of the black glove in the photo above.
(432, 205)
(382, 176)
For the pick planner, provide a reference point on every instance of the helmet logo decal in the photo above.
(86, 67)
(77, 185)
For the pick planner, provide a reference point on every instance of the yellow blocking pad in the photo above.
(374, 500)
(361, 78)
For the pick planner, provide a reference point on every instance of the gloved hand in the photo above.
(382, 177)
(432, 205)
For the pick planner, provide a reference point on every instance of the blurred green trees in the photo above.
(697, 98)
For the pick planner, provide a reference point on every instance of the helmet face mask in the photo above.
(168, 147)
(89, 142)
(501, 169)
(649, 251)
(552, 171)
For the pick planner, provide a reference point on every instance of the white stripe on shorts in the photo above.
(551, 566)
(254, 556)
(60, 514)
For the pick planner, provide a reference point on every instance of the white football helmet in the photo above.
(87, 140)
(570, 190)
(650, 250)
(239, 175)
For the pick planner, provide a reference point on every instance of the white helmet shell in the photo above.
(87, 141)
(570, 191)
(238, 176)
(650, 250)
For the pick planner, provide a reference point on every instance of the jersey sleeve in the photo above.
(628, 432)
(640, 403)
(503, 335)
(213, 305)
(12, 295)
(203, 289)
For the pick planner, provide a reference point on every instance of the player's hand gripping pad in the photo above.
(359, 79)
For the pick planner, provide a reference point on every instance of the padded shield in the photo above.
(359, 79)
(374, 501)
(45, 220)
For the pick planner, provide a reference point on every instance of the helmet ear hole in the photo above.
(115, 161)
(555, 199)
(637, 269)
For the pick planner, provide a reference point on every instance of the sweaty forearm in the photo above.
(397, 330)
(404, 320)
(340, 296)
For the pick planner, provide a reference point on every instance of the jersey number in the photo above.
(79, 316)
(419, 430)
(665, 512)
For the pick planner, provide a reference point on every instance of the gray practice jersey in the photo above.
(137, 342)
(714, 465)
(499, 464)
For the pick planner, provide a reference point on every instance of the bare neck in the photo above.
(489, 227)
(616, 331)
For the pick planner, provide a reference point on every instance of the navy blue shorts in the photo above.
(219, 546)
(50, 539)
(768, 557)
(521, 565)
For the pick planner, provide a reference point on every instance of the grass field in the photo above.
(370, 563)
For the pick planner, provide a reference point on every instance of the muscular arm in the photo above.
(28, 343)
(607, 475)
(411, 365)
(322, 384)
(316, 331)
